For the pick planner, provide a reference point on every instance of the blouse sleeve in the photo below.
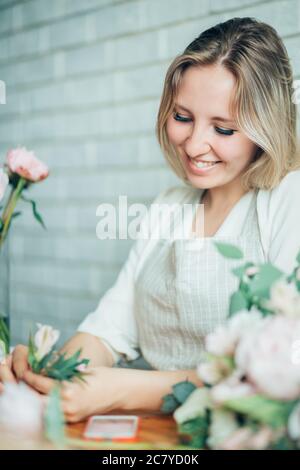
(284, 222)
(113, 320)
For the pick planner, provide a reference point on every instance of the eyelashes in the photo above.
(219, 130)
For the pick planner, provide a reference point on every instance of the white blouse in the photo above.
(114, 320)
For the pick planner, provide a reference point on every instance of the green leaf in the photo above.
(271, 412)
(1, 225)
(66, 369)
(36, 215)
(54, 419)
(16, 214)
(229, 251)
(238, 302)
(260, 285)
(182, 390)
(4, 335)
(195, 432)
(170, 404)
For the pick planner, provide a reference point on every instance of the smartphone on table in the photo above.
(112, 428)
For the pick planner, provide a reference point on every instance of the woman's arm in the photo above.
(108, 389)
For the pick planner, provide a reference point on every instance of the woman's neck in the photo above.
(222, 197)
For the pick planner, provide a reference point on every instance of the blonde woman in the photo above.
(227, 126)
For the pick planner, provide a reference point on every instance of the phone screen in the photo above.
(111, 427)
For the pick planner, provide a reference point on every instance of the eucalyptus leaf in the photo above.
(182, 390)
(238, 302)
(170, 404)
(229, 251)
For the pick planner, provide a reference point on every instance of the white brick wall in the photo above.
(84, 79)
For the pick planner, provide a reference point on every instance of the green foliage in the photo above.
(54, 419)
(56, 365)
(194, 433)
(266, 411)
(181, 391)
(170, 404)
(229, 251)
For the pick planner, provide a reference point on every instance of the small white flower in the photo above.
(44, 340)
(21, 409)
(223, 424)
(195, 405)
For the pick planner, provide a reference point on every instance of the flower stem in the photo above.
(10, 207)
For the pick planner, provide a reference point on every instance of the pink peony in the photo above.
(25, 164)
(3, 183)
(266, 357)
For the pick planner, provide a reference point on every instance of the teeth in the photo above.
(204, 164)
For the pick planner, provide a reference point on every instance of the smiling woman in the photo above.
(238, 70)
(227, 126)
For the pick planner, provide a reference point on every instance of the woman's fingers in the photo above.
(20, 360)
(38, 382)
(6, 374)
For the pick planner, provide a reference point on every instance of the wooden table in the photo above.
(156, 431)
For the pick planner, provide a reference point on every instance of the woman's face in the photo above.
(203, 131)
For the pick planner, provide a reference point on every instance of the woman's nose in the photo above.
(198, 142)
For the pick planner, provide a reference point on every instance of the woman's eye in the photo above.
(180, 118)
(224, 131)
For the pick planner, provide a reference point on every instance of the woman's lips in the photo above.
(201, 171)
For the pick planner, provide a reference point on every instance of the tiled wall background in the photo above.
(84, 79)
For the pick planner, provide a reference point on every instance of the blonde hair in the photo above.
(262, 105)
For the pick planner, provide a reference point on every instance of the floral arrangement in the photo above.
(250, 369)
(44, 359)
(21, 170)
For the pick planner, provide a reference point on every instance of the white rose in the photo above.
(223, 341)
(232, 388)
(44, 340)
(284, 299)
(266, 357)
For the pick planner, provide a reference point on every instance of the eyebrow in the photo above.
(216, 118)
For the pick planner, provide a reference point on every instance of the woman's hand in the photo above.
(12, 368)
(101, 392)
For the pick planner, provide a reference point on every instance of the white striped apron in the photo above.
(182, 294)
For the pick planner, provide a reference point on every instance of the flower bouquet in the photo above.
(250, 369)
(21, 170)
(44, 359)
